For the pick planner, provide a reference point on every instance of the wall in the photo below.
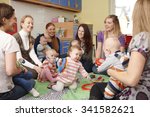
(94, 12)
(41, 14)
(4, 1)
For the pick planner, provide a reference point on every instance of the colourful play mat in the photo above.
(81, 93)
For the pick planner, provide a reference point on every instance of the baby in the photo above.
(62, 61)
(67, 78)
(76, 43)
(42, 46)
(114, 60)
(49, 71)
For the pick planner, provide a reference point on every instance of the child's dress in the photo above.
(48, 73)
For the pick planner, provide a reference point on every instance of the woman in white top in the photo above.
(8, 49)
(26, 42)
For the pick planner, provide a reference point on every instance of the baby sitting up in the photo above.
(114, 60)
(49, 70)
(67, 78)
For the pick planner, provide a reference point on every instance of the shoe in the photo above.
(34, 92)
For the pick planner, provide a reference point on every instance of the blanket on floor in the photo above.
(81, 93)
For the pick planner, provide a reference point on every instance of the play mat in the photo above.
(81, 93)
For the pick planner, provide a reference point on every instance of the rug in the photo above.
(66, 94)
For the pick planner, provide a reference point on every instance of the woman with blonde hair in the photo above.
(112, 30)
(136, 78)
(26, 42)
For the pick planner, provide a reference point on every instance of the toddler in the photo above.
(67, 78)
(49, 70)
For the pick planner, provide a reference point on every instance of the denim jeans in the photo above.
(16, 93)
(24, 80)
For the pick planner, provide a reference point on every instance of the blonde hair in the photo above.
(75, 42)
(141, 16)
(71, 48)
(23, 19)
(51, 51)
(116, 30)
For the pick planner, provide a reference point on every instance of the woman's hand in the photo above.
(109, 72)
(38, 69)
(43, 41)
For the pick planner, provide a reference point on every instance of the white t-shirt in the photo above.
(8, 44)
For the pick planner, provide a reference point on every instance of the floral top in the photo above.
(141, 44)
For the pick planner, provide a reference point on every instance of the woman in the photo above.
(8, 49)
(137, 75)
(112, 30)
(84, 37)
(26, 42)
(50, 38)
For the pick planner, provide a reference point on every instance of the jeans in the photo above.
(24, 80)
(97, 92)
(16, 93)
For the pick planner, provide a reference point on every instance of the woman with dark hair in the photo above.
(48, 38)
(84, 37)
(8, 49)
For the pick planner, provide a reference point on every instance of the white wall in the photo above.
(41, 14)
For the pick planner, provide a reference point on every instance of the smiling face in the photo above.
(75, 54)
(81, 33)
(51, 55)
(109, 24)
(51, 30)
(27, 24)
(10, 23)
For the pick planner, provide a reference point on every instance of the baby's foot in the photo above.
(50, 85)
(34, 92)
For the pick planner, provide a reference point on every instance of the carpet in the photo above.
(66, 94)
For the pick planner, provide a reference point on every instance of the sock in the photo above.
(34, 92)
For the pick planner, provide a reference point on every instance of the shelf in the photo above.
(65, 39)
(48, 4)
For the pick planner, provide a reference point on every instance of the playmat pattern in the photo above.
(66, 94)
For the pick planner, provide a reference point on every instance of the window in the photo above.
(123, 9)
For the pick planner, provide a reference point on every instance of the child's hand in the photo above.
(59, 62)
(99, 61)
(45, 62)
(98, 68)
(89, 78)
(25, 69)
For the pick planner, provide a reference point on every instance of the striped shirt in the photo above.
(68, 76)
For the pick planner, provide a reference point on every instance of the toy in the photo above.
(88, 86)
(99, 61)
(61, 65)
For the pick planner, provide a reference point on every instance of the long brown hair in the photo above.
(141, 16)
(87, 38)
(55, 41)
